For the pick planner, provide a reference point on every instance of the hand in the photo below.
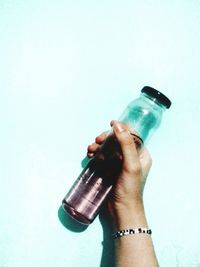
(128, 191)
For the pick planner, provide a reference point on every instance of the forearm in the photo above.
(135, 250)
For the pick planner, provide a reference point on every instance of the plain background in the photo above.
(66, 69)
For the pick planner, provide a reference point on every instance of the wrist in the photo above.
(129, 216)
(128, 206)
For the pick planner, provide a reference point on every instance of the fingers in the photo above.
(93, 148)
(131, 162)
(101, 138)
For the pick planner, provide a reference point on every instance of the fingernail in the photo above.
(90, 155)
(112, 122)
(119, 127)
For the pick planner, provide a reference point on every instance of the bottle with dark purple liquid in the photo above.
(90, 190)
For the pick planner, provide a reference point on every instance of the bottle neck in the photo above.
(153, 101)
(143, 115)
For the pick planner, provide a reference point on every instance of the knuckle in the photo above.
(92, 146)
(126, 139)
(134, 169)
(97, 139)
(89, 147)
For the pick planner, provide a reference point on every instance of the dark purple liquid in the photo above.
(95, 181)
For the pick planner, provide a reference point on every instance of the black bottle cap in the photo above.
(162, 99)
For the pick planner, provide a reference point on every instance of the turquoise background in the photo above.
(66, 69)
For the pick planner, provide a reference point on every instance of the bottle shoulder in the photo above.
(145, 105)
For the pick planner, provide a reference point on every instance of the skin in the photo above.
(126, 206)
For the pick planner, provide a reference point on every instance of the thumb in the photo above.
(131, 162)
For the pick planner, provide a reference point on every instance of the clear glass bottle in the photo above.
(85, 197)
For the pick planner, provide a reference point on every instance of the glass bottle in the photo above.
(89, 191)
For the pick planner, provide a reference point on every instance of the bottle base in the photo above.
(74, 214)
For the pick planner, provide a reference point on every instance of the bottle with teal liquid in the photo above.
(143, 116)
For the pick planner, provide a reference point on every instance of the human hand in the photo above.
(127, 194)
